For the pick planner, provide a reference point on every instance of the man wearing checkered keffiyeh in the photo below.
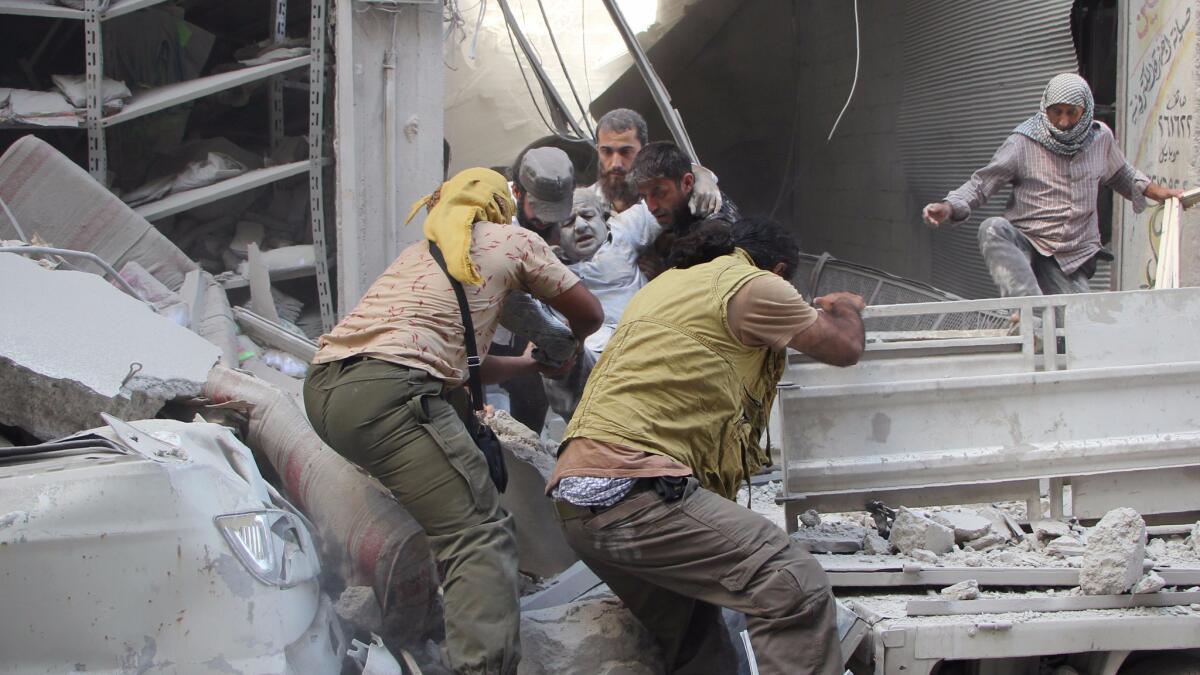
(1048, 241)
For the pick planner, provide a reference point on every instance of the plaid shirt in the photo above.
(1053, 200)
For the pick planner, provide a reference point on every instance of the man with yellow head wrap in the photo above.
(384, 385)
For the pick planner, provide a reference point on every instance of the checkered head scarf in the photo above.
(1066, 88)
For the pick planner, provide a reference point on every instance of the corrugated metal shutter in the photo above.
(973, 71)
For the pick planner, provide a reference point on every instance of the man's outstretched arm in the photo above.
(837, 337)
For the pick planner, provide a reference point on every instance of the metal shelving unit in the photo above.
(93, 15)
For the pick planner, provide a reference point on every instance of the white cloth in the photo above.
(612, 275)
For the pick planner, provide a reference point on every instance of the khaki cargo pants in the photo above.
(393, 422)
(675, 564)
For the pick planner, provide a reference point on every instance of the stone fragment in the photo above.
(358, 605)
(967, 525)
(1115, 552)
(1006, 557)
(874, 544)
(73, 346)
(923, 555)
(963, 590)
(1151, 583)
(831, 538)
(1045, 530)
(999, 521)
(987, 542)
(973, 560)
(1156, 549)
(1195, 537)
(810, 518)
(911, 531)
(1067, 546)
(597, 636)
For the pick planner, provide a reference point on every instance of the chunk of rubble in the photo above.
(967, 525)
(1115, 553)
(1151, 583)
(1156, 549)
(73, 346)
(999, 520)
(873, 544)
(1066, 546)
(963, 590)
(810, 518)
(987, 542)
(359, 607)
(1045, 530)
(912, 531)
(973, 560)
(923, 555)
(596, 636)
(831, 538)
(1195, 537)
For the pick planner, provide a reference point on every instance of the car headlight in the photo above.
(274, 546)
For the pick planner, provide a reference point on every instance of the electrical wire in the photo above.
(563, 63)
(478, 25)
(857, 56)
(587, 80)
(520, 66)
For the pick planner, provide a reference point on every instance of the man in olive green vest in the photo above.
(666, 431)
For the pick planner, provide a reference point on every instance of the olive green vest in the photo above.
(673, 381)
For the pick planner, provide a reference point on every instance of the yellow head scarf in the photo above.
(470, 196)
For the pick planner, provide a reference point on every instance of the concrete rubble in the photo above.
(831, 538)
(963, 590)
(592, 636)
(912, 530)
(873, 544)
(967, 525)
(1115, 552)
(923, 555)
(82, 347)
(1151, 583)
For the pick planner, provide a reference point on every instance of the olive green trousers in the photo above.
(395, 423)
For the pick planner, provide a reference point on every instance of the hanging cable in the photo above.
(587, 80)
(562, 62)
(516, 57)
(857, 56)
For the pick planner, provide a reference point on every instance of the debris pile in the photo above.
(593, 636)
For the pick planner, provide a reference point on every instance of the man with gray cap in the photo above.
(542, 189)
(1048, 241)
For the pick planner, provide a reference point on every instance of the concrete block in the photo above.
(1151, 583)
(595, 636)
(963, 590)
(358, 605)
(1115, 552)
(911, 531)
(73, 346)
(810, 518)
(987, 542)
(967, 525)
(873, 544)
(1045, 530)
(923, 555)
(831, 538)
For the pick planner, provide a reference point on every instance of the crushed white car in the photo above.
(156, 546)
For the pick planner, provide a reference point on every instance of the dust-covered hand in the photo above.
(706, 196)
(936, 213)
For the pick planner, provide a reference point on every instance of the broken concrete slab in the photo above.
(999, 520)
(967, 525)
(1066, 546)
(1151, 583)
(911, 531)
(963, 590)
(873, 544)
(1115, 552)
(831, 538)
(73, 346)
(1045, 530)
(597, 636)
(542, 550)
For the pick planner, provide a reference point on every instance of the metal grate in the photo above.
(819, 275)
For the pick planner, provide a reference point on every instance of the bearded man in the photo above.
(1048, 241)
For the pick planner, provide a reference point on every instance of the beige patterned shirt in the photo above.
(1054, 196)
(410, 316)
